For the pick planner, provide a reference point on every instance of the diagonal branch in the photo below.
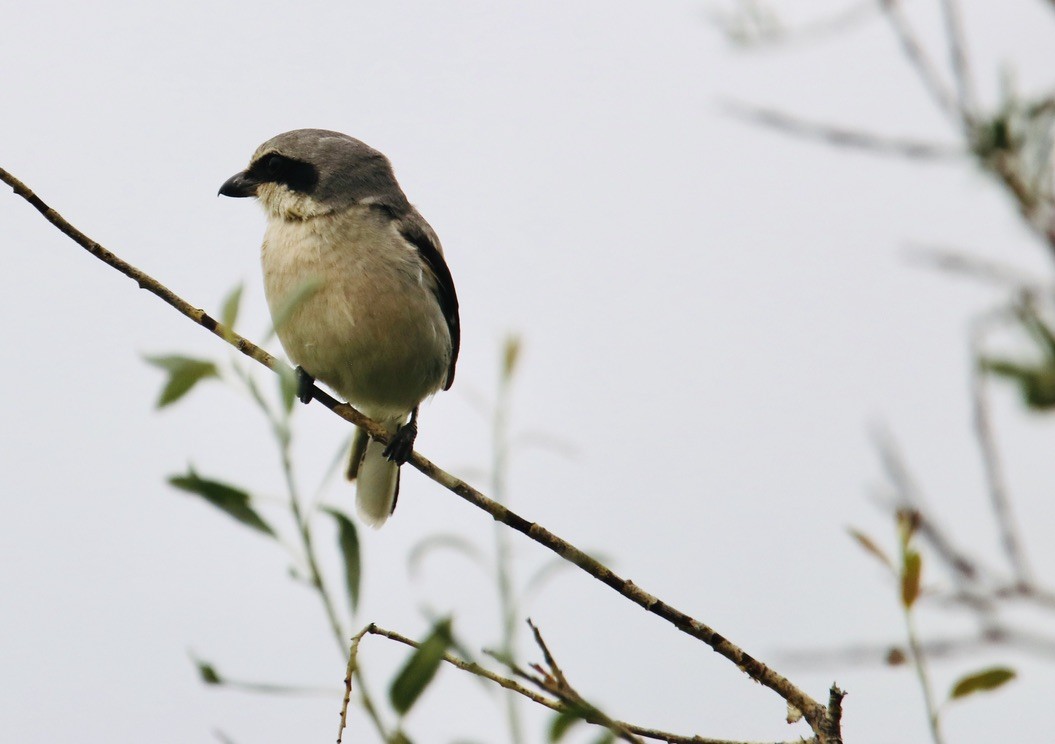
(999, 497)
(837, 136)
(555, 705)
(958, 58)
(928, 73)
(817, 715)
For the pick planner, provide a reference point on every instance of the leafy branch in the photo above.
(823, 719)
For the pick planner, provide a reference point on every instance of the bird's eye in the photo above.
(273, 164)
(295, 174)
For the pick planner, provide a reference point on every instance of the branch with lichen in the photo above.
(819, 716)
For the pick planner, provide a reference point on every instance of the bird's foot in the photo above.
(304, 385)
(402, 443)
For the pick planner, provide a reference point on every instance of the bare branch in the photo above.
(556, 683)
(354, 672)
(925, 69)
(998, 492)
(752, 25)
(469, 666)
(947, 648)
(843, 136)
(907, 496)
(815, 713)
(958, 59)
(555, 705)
(957, 261)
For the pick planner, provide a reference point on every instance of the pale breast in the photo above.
(354, 306)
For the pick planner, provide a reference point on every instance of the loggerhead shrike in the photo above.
(360, 294)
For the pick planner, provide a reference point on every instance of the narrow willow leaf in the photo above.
(1006, 368)
(910, 578)
(1036, 384)
(400, 738)
(348, 540)
(419, 670)
(235, 502)
(1038, 391)
(293, 300)
(551, 568)
(606, 738)
(229, 314)
(562, 723)
(988, 679)
(287, 387)
(442, 541)
(871, 546)
(184, 374)
(1040, 331)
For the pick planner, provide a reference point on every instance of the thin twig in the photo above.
(919, 663)
(815, 713)
(555, 682)
(353, 664)
(471, 667)
(304, 531)
(907, 495)
(843, 136)
(752, 30)
(998, 493)
(886, 654)
(958, 261)
(503, 553)
(916, 55)
(555, 705)
(958, 60)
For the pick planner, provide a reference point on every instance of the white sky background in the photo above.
(713, 315)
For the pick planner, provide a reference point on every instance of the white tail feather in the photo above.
(376, 488)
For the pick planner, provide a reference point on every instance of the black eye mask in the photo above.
(295, 174)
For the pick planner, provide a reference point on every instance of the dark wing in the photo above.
(421, 237)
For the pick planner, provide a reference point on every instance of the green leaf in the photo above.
(1038, 390)
(606, 738)
(292, 302)
(551, 568)
(910, 578)
(184, 374)
(1039, 330)
(235, 502)
(988, 679)
(287, 386)
(419, 670)
(871, 546)
(435, 542)
(348, 540)
(562, 722)
(208, 673)
(1036, 384)
(229, 314)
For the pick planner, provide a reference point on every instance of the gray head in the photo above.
(310, 172)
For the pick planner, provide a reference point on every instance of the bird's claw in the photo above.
(305, 382)
(402, 443)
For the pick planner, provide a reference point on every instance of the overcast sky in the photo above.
(714, 319)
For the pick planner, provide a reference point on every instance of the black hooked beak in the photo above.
(239, 185)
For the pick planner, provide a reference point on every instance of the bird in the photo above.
(360, 293)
